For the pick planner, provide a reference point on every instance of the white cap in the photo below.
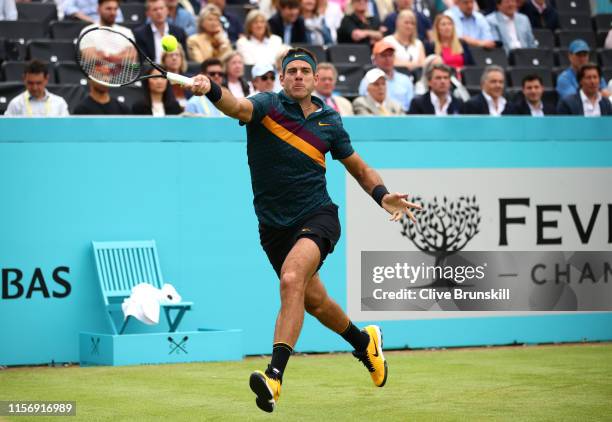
(374, 74)
(261, 69)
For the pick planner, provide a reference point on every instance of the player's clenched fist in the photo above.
(201, 85)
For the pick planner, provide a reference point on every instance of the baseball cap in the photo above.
(374, 74)
(579, 45)
(381, 46)
(261, 69)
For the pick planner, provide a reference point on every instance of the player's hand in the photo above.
(397, 205)
(201, 85)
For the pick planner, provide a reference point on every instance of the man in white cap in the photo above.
(399, 86)
(376, 103)
(263, 77)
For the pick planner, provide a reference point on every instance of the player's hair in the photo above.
(36, 66)
(101, 2)
(292, 4)
(584, 68)
(328, 66)
(438, 66)
(300, 50)
(489, 69)
(532, 77)
(208, 63)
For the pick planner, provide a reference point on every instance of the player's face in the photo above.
(378, 90)
(36, 83)
(157, 12)
(590, 82)
(533, 90)
(326, 82)
(494, 84)
(440, 82)
(298, 79)
(108, 12)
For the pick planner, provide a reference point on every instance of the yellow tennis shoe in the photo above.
(373, 358)
(266, 389)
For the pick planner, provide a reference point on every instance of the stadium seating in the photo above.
(22, 29)
(51, 50)
(470, 77)
(575, 21)
(8, 91)
(66, 29)
(12, 71)
(544, 38)
(605, 58)
(516, 75)
(536, 57)
(72, 93)
(353, 54)
(574, 6)
(603, 22)
(563, 59)
(484, 57)
(43, 12)
(349, 76)
(566, 37)
(68, 72)
(133, 12)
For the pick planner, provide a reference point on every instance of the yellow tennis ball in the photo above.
(169, 43)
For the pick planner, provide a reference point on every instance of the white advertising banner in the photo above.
(553, 213)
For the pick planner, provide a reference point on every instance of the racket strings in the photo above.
(108, 57)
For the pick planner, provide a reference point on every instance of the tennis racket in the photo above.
(110, 58)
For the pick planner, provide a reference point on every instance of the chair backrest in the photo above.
(537, 57)
(43, 12)
(355, 54)
(68, 30)
(133, 12)
(518, 73)
(566, 37)
(123, 265)
(603, 21)
(51, 50)
(484, 57)
(575, 21)
(544, 37)
(574, 6)
(22, 29)
(349, 77)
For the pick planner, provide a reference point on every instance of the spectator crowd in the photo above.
(376, 57)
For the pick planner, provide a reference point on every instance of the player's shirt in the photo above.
(286, 154)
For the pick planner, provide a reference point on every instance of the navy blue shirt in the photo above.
(286, 154)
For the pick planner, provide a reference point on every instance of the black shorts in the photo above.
(322, 226)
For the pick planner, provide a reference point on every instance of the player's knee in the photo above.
(291, 283)
(314, 303)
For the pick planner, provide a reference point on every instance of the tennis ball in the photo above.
(169, 43)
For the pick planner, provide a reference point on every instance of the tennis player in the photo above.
(288, 135)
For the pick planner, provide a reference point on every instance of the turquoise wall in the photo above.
(185, 183)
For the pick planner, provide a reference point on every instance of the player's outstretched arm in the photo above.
(241, 109)
(395, 204)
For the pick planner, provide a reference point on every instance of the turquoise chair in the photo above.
(123, 265)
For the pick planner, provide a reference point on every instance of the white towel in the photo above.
(143, 303)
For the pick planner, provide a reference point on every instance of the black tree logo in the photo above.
(442, 228)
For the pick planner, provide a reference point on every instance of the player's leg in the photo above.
(297, 269)
(367, 343)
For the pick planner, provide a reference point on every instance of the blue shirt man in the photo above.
(400, 87)
(567, 82)
(471, 25)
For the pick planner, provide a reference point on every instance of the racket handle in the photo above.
(177, 79)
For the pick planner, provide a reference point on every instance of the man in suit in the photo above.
(531, 103)
(375, 102)
(588, 101)
(491, 99)
(325, 86)
(438, 100)
(287, 22)
(511, 29)
(148, 36)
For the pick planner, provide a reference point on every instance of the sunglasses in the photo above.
(215, 74)
(267, 77)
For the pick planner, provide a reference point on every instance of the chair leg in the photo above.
(112, 322)
(124, 325)
(173, 324)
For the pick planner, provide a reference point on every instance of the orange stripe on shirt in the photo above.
(294, 140)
